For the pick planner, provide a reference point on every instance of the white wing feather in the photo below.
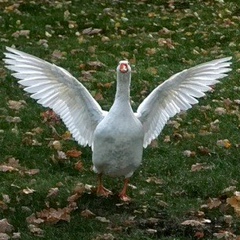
(178, 93)
(56, 88)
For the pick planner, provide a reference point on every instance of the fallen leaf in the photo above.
(50, 117)
(154, 180)
(73, 153)
(200, 166)
(105, 236)
(87, 214)
(213, 203)
(73, 198)
(220, 111)
(79, 166)
(16, 105)
(36, 231)
(234, 202)
(225, 235)
(53, 192)
(21, 33)
(151, 231)
(58, 55)
(153, 71)
(80, 188)
(91, 31)
(3, 205)
(102, 219)
(193, 223)
(28, 191)
(6, 168)
(224, 143)
(53, 216)
(188, 153)
(4, 236)
(204, 150)
(67, 136)
(13, 119)
(5, 226)
(32, 172)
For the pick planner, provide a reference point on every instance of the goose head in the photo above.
(124, 67)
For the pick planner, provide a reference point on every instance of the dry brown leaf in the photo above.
(4, 236)
(91, 31)
(33, 220)
(13, 119)
(105, 236)
(16, 105)
(6, 168)
(79, 166)
(36, 231)
(188, 153)
(193, 223)
(234, 202)
(166, 42)
(213, 203)
(224, 143)
(154, 143)
(204, 150)
(5, 226)
(37, 130)
(200, 166)
(53, 192)
(87, 214)
(73, 198)
(98, 96)
(53, 216)
(3, 205)
(57, 145)
(229, 189)
(80, 188)
(67, 135)
(21, 33)
(58, 55)
(32, 172)
(154, 180)
(95, 64)
(225, 235)
(28, 190)
(153, 71)
(167, 139)
(50, 116)
(73, 153)
(220, 111)
(151, 51)
(102, 219)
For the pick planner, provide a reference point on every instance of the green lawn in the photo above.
(159, 38)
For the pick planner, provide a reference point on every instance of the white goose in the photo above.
(117, 137)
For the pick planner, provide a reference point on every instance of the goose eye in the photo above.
(123, 68)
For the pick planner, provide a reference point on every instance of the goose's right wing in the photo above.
(56, 88)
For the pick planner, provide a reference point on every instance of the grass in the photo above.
(198, 31)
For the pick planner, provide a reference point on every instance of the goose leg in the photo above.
(101, 190)
(123, 195)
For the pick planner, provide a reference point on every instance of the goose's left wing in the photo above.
(178, 93)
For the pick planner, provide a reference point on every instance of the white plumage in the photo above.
(117, 137)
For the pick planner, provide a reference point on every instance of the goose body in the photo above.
(117, 137)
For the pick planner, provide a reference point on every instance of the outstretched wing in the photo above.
(178, 93)
(56, 88)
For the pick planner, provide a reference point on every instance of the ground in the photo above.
(187, 186)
